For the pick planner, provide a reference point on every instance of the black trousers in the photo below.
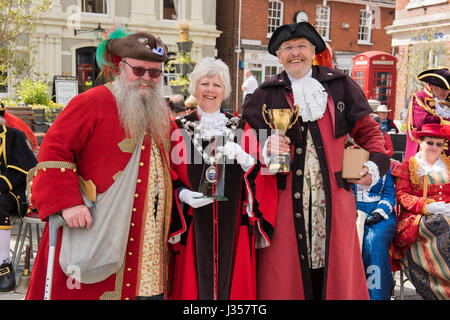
(317, 282)
(157, 297)
(8, 207)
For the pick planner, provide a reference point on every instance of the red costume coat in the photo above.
(88, 133)
(201, 270)
(409, 189)
(282, 268)
(421, 110)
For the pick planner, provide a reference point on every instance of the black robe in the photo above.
(16, 159)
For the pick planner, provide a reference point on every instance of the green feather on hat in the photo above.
(107, 61)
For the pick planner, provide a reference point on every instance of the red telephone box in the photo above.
(376, 73)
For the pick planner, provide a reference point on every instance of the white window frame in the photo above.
(264, 75)
(365, 27)
(106, 3)
(180, 6)
(323, 16)
(279, 20)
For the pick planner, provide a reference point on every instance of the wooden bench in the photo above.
(25, 113)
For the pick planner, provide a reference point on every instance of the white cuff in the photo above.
(382, 213)
(373, 170)
(266, 158)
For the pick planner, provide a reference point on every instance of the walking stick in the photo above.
(55, 222)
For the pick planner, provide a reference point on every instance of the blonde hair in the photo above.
(191, 102)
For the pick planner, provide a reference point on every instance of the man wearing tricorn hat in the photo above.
(431, 105)
(111, 137)
(314, 253)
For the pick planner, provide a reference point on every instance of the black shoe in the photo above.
(7, 277)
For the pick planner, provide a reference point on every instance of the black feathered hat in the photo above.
(296, 30)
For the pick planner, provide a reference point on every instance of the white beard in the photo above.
(141, 113)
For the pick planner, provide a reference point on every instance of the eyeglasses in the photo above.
(300, 46)
(438, 144)
(140, 71)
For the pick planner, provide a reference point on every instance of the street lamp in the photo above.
(97, 30)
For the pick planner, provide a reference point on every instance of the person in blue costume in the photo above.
(379, 230)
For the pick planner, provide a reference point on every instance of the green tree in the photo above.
(17, 20)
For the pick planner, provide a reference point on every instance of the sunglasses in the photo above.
(140, 71)
(438, 144)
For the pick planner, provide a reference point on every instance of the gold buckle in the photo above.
(4, 271)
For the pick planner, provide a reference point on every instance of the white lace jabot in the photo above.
(310, 96)
(212, 124)
(438, 166)
(442, 110)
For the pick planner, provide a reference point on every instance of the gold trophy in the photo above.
(281, 121)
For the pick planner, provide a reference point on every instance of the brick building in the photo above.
(413, 19)
(348, 26)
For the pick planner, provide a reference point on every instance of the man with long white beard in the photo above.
(104, 166)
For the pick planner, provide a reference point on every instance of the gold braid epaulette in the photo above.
(63, 165)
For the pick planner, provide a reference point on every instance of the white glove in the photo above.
(191, 198)
(234, 151)
(438, 207)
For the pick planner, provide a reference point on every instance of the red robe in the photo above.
(227, 270)
(88, 133)
(282, 268)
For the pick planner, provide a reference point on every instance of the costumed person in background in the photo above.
(15, 122)
(16, 158)
(387, 125)
(113, 141)
(214, 241)
(431, 105)
(381, 221)
(420, 246)
(316, 208)
(176, 105)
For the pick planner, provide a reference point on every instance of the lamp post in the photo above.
(97, 30)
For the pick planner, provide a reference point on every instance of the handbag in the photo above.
(99, 252)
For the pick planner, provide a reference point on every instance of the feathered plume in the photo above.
(107, 61)
(325, 58)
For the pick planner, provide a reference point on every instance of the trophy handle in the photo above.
(264, 111)
(297, 111)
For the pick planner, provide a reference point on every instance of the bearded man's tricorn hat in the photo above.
(141, 46)
(295, 30)
(121, 43)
